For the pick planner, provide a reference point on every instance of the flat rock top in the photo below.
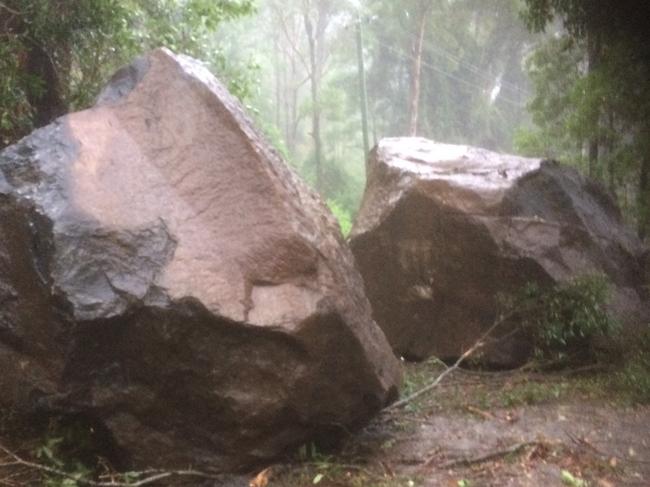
(461, 165)
(460, 177)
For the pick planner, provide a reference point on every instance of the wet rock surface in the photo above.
(166, 276)
(443, 229)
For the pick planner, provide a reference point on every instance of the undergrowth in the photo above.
(565, 321)
(342, 215)
(633, 380)
(310, 466)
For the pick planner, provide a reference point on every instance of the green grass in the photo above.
(533, 393)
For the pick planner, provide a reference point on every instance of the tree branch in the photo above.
(296, 51)
(479, 343)
(152, 475)
(10, 10)
(468, 462)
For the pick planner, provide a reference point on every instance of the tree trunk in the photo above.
(609, 147)
(643, 205)
(295, 119)
(363, 96)
(37, 63)
(416, 69)
(593, 61)
(314, 76)
(49, 103)
(277, 72)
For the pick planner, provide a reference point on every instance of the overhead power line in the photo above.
(452, 76)
(453, 58)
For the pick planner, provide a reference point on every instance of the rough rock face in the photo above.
(164, 275)
(442, 229)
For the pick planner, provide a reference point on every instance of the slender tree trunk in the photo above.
(609, 147)
(643, 204)
(37, 62)
(47, 103)
(416, 69)
(314, 82)
(363, 95)
(277, 72)
(290, 104)
(593, 156)
(593, 61)
(580, 147)
(286, 99)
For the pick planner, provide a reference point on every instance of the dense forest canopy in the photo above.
(591, 104)
(56, 54)
(566, 79)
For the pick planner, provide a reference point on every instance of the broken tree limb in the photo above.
(468, 462)
(479, 343)
(152, 475)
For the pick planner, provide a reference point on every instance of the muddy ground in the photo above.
(474, 429)
(495, 429)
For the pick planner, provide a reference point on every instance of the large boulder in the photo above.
(166, 277)
(443, 229)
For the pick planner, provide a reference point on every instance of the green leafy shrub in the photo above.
(565, 320)
(49, 454)
(634, 378)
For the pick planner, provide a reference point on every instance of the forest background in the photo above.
(562, 79)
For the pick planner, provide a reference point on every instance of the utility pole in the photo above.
(362, 88)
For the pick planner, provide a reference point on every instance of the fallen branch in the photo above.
(12, 480)
(347, 466)
(479, 343)
(10, 10)
(468, 462)
(152, 475)
(480, 412)
(585, 369)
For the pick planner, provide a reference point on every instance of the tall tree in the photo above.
(613, 91)
(421, 10)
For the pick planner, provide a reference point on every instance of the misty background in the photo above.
(561, 79)
(468, 57)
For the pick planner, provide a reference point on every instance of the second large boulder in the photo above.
(444, 229)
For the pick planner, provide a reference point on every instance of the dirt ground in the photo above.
(474, 429)
(493, 429)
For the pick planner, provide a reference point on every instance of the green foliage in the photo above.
(51, 454)
(571, 480)
(342, 215)
(564, 320)
(532, 393)
(634, 378)
(587, 82)
(15, 110)
(541, 12)
(554, 70)
(55, 55)
(55, 48)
